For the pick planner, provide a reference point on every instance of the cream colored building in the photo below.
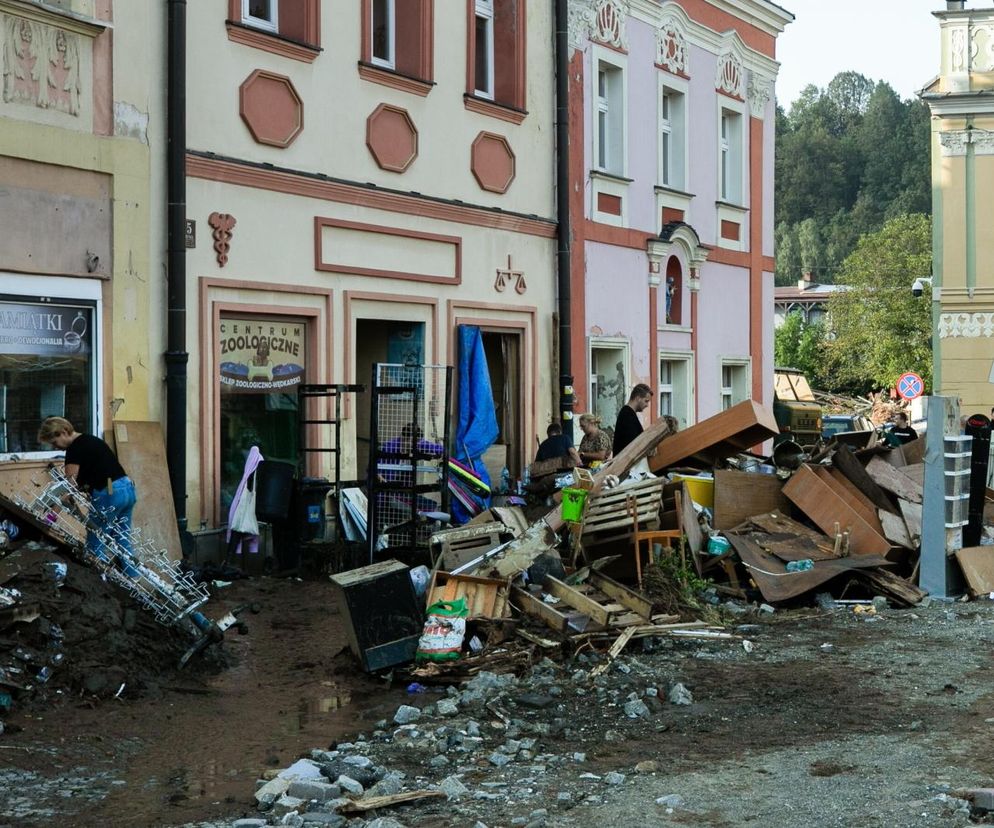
(81, 212)
(364, 178)
(961, 99)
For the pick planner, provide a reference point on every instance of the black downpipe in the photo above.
(176, 353)
(562, 210)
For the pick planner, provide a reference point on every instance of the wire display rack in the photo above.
(407, 479)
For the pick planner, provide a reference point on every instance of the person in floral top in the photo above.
(595, 447)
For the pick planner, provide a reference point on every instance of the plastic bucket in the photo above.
(718, 545)
(701, 489)
(573, 500)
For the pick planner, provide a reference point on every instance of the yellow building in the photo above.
(80, 208)
(961, 100)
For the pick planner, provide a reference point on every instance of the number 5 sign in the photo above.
(910, 386)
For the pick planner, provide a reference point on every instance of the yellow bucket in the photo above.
(701, 489)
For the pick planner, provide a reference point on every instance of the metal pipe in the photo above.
(176, 355)
(563, 215)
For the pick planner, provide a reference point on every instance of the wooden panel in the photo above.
(853, 497)
(914, 452)
(485, 597)
(895, 530)
(977, 563)
(537, 608)
(916, 471)
(912, 514)
(889, 478)
(577, 600)
(738, 495)
(739, 428)
(622, 594)
(845, 461)
(826, 507)
(142, 453)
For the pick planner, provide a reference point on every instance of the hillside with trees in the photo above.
(849, 158)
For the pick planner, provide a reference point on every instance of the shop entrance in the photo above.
(262, 361)
(381, 341)
(504, 352)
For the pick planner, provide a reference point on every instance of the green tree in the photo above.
(812, 251)
(788, 261)
(797, 344)
(879, 329)
(850, 94)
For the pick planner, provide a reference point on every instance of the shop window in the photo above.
(735, 382)
(674, 292)
(497, 51)
(47, 369)
(609, 111)
(262, 361)
(264, 23)
(398, 39)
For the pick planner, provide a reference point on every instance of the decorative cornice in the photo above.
(59, 18)
(968, 325)
(954, 142)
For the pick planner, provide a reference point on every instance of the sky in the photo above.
(896, 41)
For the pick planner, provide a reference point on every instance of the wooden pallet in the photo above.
(598, 603)
(609, 510)
(451, 548)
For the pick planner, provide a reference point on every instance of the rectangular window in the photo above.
(676, 387)
(609, 383)
(610, 113)
(484, 49)
(666, 387)
(47, 369)
(384, 34)
(730, 151)
(672, 139)
(262, 14)
(734, 382)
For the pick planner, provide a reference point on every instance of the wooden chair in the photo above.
(651, 536)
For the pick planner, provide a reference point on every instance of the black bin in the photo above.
(274, 489)
(309, 510)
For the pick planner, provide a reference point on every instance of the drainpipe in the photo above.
(176, 354)
(562, 210)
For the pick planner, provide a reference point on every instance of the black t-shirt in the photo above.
(97, 463)
(626, 429)
(905, 434)
(558, 445)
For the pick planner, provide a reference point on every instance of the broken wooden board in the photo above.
(977, 563)
(537, 608)
(776, 584)
(914, 452)
(142, 451)
(485, 597)
(916, 471)
(893, 481)
(737, 495)
(691, 526)
(827, 508)
(798, 548)
(853, 496)
(359, 806)
(736, 429)
(896, 531)
(855, 472)
(637, 603)
(577, 600)
(898, 589)
(912, 514)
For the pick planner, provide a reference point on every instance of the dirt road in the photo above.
(831, 720)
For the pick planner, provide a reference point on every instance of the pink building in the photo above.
(672, 202)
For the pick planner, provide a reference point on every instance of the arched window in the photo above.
(674, 291)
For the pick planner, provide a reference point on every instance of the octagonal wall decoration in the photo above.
(492, 162)
(271, 108)
(392, 138)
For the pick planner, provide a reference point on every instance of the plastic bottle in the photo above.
(800, 566)
(526, 478)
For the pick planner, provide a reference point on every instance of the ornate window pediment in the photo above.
(671, 45)
(730, 77)
(602, 20)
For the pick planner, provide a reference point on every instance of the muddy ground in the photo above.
(832, 719)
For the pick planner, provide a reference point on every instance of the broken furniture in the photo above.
(384, 617)
(650, 537)
(485, 597)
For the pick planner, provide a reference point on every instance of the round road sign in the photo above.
(910, 386)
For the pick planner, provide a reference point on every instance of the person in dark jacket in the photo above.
(556, 444)
(628, 425)
(902, 429)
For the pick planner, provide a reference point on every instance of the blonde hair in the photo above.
(590, 418)
(53, 427)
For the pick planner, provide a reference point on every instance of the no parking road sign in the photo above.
(910, 386)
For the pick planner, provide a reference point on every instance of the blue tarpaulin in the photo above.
(477, 428)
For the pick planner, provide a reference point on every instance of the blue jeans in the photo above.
(112, 508)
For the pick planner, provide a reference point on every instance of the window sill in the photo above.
(395, 80)
(511, 114)
(606, 176)
(269, 42)
(662, 189)
(731, 206)
(669, 327)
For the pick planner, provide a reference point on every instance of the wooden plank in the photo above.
(360, 806)
(622, 594)
(890, 479)
(651, 486)
(798, 548)
(737, 495)
(895, 530)
(614, 652)
(914, 452)
(142, 452)
(577, 600)
(482, 595)
(912, 514)
(537, 608)
(848, 464)
(840, 480)
(853, 497)
(916, 471)
(738, 428)
(826, 508)
(776, 523)
(691, 527)
(977, 563)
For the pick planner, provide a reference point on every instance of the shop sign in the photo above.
(44, 330)
(261, 356)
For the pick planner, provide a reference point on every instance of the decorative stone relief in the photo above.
(392, 138)
(492, 162)
(758, 93)
(955, 142)
(506, 275)
(41, 65)
(579, 22)
(970, 325)
(981, 48)
(603, 20)
(222, 225)
(672, 46)
(271, 108)
(730, 77)
(958, 44)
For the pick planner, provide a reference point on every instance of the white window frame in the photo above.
(484, 9)
(87, 290)
(390, 61)
(675, 128)
(607, 343)
(681, 386)
(731, 151)
(614, 106)
(741, 387)
(271, 25)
